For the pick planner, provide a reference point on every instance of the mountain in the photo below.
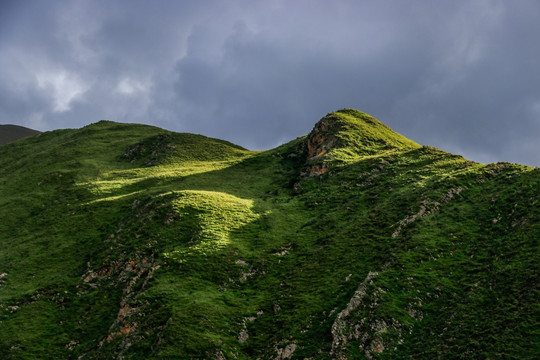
(353, 242)
(10, 133)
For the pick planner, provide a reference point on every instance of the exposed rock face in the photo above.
(130, 273)
(428, 207)
(340, 333)
(243, 336)
(124, 273)
(286, 352)
(322, 138)
(319, 143)
(318, 169)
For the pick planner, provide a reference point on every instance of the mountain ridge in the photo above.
(124, 240)
(10, 133)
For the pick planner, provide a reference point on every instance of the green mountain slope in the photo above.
(10, 133)
(129, 241)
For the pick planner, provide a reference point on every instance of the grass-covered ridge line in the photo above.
(126, 240)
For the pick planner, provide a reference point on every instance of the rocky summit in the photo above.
(126, 241)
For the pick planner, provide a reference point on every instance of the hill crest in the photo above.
(355, 132)
(348, 135)
(10, 133)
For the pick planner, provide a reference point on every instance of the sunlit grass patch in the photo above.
(217, 214)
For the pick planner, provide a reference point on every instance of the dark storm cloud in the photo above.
(457, 75)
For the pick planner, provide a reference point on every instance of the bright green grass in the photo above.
(128, 240)
(360, 135)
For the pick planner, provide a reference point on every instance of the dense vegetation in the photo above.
(129, 241)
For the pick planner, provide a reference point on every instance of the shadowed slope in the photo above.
(10, 133)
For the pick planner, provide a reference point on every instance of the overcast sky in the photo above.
(463, 76)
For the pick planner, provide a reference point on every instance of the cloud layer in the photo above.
(458, 75)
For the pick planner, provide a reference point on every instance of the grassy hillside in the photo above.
(10, 133)
(129, 241)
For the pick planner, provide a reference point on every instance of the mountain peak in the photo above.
(348, 134)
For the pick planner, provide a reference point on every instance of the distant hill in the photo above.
(10, 133)
(127, 241)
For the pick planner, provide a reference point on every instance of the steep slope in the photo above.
(128, 241)
(348, 135)
(10, 133)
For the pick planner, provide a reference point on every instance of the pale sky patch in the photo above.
(63, 87)
(130, 86)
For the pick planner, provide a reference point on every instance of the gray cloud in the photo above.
(457, 75)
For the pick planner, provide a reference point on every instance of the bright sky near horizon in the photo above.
(459, 75)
